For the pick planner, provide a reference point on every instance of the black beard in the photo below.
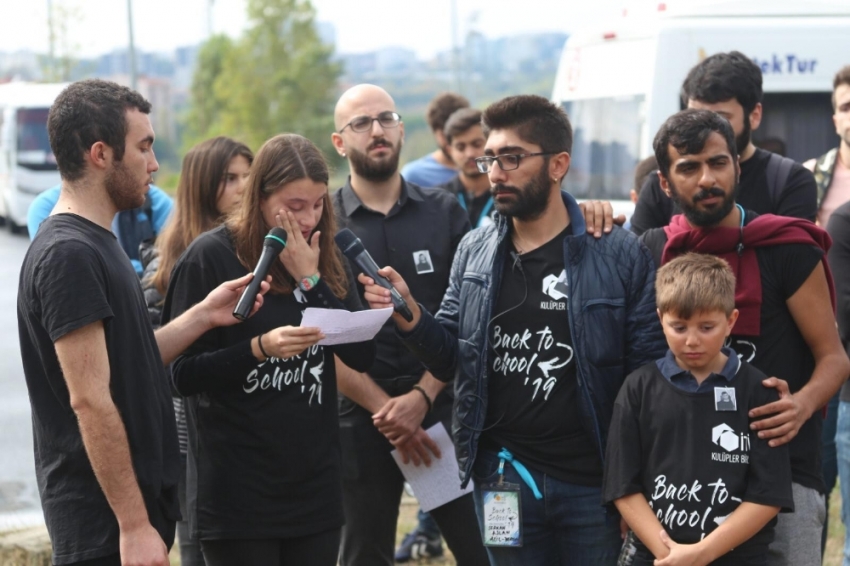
(373, 170)
(705, 218)
(531, 201)
(122, 188)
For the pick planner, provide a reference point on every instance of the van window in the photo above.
(606, 145)
(798, 122)
(33, 144)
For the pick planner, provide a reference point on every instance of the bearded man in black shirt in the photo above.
(417, 230)
(103, 423)
(787, 323)
(539, 326)
(731, 85)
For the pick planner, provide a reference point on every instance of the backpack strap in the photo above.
(778, 170)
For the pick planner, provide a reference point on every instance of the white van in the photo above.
(619, 84)
(27, 164)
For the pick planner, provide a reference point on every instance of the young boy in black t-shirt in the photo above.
(682, 467)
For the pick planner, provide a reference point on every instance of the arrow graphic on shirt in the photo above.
(548, 365)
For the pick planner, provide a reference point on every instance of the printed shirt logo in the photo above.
(746, 350)
(535, 357)
(302, 373)
(555, 287)
(734, 445)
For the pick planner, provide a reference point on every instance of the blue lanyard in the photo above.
(523, 472)
(484, 212)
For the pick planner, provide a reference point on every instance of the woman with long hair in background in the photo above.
(210, 187)
(264, 449)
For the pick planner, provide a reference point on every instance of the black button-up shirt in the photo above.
(417, 238)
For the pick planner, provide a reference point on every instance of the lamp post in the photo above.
(132, 46)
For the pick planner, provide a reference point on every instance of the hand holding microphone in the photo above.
(353, 249)
(273, 244)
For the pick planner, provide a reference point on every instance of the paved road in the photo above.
(19, 503)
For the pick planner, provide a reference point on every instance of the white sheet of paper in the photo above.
(439, 483)
(342, 327)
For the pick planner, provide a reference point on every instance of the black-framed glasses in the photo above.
(507, 162)
(364, 123)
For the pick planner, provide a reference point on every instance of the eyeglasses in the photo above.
(507, 162)
(364, 123)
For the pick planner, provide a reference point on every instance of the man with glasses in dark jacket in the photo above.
(540, 325)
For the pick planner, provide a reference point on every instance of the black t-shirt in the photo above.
(481, 209)
(693, 463)
(532, 398)
(780, 350)
(798, 198)
(418, 238)
(839, 263)
(263, 436)
(75, 273)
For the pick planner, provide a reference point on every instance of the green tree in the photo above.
(203, 119)
(278, 77)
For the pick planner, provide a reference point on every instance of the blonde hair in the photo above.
(695, 283)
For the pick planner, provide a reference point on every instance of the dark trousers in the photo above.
(372, 486)
(316, 550)
(190, 548)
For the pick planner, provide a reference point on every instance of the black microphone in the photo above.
(353, 249)
(273, 244)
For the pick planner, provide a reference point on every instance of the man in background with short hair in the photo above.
(465, 141)
(437, 167)
(730, 84)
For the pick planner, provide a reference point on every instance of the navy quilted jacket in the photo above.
(611, 314)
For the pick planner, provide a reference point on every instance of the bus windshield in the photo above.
(33, 144)
(606, 145)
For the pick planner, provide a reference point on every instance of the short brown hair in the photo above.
(695, 283)
(842, 77)
(284, 159)
(460, 121)
(441, 107)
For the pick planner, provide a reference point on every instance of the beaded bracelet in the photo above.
(427, 399)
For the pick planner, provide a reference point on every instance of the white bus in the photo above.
(27, 164)
(619, 84)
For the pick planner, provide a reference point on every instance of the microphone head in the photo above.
(275, 239)
(348, 242)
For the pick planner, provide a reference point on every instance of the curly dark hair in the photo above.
(85, 113)
(687, 131)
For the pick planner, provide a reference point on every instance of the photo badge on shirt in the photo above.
(422, 260)
(724, 399)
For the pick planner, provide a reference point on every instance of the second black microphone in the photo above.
(353, 249)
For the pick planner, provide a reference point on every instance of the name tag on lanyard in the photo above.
(502, 506)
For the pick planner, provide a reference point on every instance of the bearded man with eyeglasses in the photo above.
(539, 326)
(417, 231)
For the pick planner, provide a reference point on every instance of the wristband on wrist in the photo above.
(309, 282)
(260, 344)
(424, 394)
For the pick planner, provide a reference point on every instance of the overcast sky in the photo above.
(361, 25)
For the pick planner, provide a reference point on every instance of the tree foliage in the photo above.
(278, 77)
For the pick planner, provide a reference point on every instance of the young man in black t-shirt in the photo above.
(103, 423)
(682, 466)
(786, 328)
(731, 85)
